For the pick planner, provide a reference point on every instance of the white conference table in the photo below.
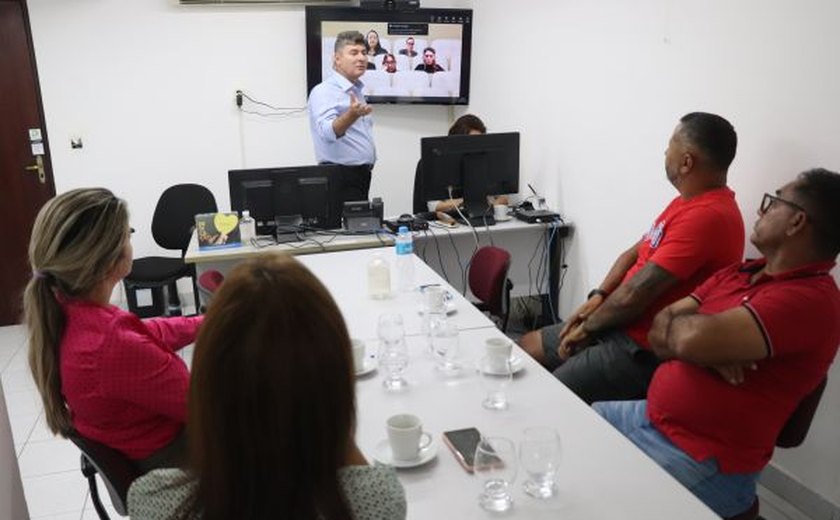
(345, 275)
(446, 249)
(603, 475)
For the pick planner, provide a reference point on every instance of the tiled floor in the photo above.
(53, 484)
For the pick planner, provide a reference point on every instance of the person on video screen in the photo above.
(372, 45)
(409, 48)
(389, 63)
(340, 120)
(429, 64)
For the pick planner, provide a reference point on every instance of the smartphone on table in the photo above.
(463, 443)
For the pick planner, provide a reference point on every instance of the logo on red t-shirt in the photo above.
(654, 236)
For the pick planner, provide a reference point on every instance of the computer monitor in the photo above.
(470, 166)
(305, 195)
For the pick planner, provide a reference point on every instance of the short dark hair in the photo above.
(713, 135)
(465, 123)
(349, 38)
(427, 49)
(818, 191)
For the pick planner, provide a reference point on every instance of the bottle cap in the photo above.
(402, 229)
(246, 213)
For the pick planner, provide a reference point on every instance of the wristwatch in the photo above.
(593, 292)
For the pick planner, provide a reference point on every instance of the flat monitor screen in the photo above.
(470, 166)
(308, 195)
(420, 56)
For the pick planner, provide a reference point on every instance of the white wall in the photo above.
(595, 88)
(149, 86)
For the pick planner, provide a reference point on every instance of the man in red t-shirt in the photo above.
(699, 232)
(743, 350)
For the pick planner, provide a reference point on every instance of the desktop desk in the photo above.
(603, 475)
(446, 249)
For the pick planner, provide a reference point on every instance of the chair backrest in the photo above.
(488, 272)
(175, 214)
(796, 428)
(210, 281)
(116, 470)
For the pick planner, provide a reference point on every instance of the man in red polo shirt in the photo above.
(743, 350)
(699, 232)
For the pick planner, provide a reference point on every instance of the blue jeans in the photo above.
(726, 494)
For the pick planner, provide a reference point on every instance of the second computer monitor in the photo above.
(470, 166)
(308, 195)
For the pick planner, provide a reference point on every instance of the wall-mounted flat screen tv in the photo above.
(420, 56)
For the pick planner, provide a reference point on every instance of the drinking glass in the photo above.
(445, 346)
(495, 467)
(539, 455)
(393, 352)
(496, 376)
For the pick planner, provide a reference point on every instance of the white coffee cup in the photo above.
(500, 211)
(498, 352)
(358, 354)
(406, 436)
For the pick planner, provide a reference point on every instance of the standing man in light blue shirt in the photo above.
(340, 120)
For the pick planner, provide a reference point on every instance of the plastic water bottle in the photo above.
(379, 278)
(247, 228)
(405, 260)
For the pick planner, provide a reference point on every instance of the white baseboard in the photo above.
(797, 494)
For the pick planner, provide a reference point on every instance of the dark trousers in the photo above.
(355, 183)
(614, 369)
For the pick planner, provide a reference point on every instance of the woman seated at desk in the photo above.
(102, 372)
(467, 124)
(272, 411)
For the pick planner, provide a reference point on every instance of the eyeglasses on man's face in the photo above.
(768, 200)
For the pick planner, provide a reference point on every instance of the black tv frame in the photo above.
(315, 15)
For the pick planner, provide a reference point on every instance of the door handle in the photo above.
(38, 167)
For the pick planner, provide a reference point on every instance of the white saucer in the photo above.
(504, 219)
(516, 365)
(382, 454)
(449, 305)
(368, 366)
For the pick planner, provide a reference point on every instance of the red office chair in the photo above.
(488, 282)
(793, 434)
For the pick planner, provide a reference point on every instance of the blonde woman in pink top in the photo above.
(102, 373)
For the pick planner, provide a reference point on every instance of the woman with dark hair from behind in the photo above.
(102, 373)
(272, 411)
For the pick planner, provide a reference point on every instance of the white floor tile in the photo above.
(75, 515)
(17, 379)
(22, 427)
(40, 432)
(23, 403)
(48, 457)
(55, 494)
(89, 512)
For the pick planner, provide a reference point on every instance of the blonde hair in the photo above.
(76, 241)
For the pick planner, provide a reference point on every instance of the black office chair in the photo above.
(172, 226)
(115, 469)
(792, 435)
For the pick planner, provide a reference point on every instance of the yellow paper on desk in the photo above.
(217, 230)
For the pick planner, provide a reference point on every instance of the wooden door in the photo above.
(26, 180)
